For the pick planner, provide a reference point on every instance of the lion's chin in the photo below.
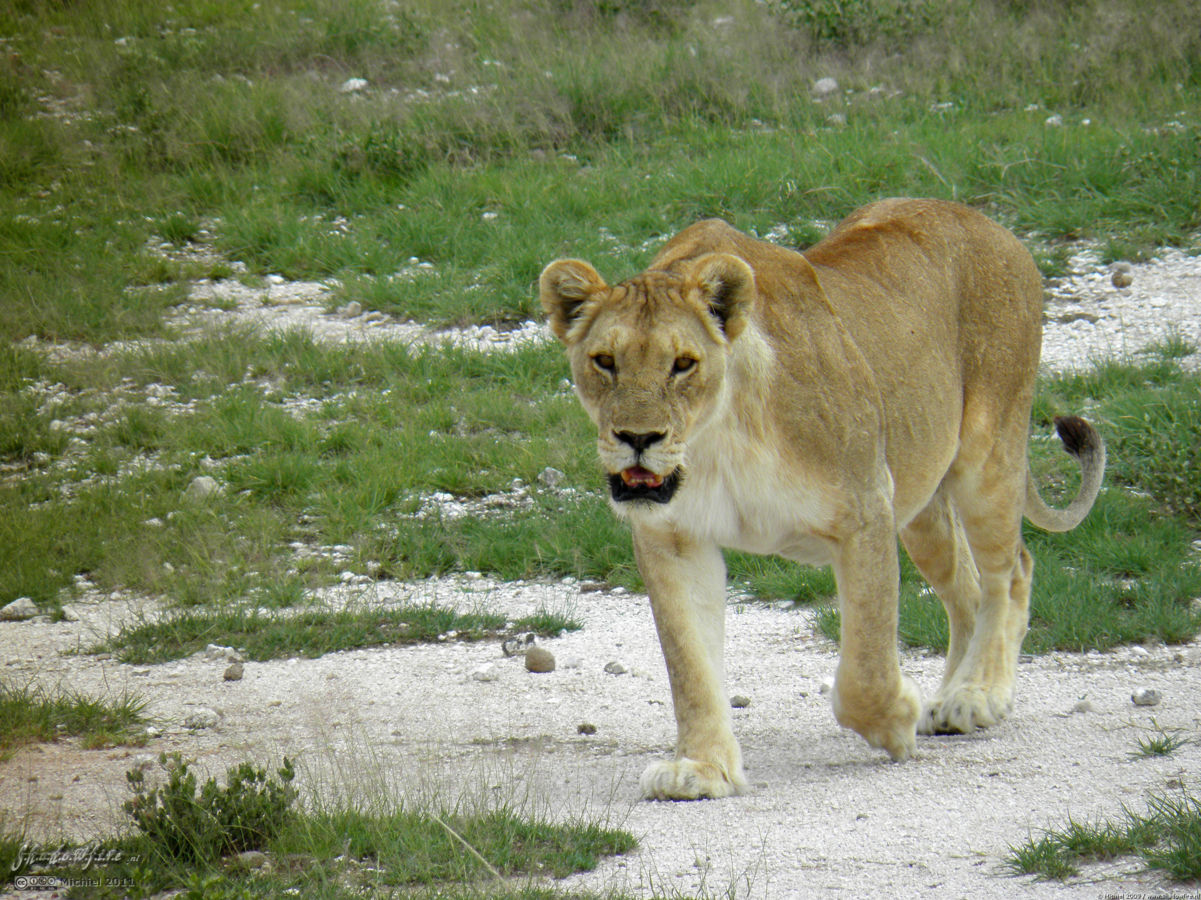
(638, 484)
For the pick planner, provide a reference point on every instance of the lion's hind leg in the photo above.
(936, 542)
(978, 691)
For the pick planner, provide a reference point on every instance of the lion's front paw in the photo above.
(964, 708)
(687, 779)
(889, 725)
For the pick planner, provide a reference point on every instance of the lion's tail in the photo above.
(1081, 440)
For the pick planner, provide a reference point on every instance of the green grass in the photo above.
(353, 469)
(327, 475)
(29, 714)
(136, 124)
(187, 835)
(312, 633)
(1167, 838)
(1163, 742)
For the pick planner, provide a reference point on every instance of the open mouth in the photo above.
(637, 483)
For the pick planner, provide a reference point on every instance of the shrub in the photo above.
(182, 826)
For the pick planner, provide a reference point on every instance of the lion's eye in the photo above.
(604, 361)
(682, 364)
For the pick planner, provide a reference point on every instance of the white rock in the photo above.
(486, 672)
(824, 87)
(201, 488)
(217, 653)
(551, 477)
(19, 609)
(827, 685)
(1146, 697)
(353, 85)
(351, 310)
(1054, 121)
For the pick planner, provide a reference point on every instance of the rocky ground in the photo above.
(824, 814)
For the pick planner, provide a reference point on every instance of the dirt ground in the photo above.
(459, 721)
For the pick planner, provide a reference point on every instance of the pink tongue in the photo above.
(636, 476)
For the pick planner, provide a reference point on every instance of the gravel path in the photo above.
(825, 814)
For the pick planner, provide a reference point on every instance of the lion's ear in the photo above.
(727, 288)
(564, 286)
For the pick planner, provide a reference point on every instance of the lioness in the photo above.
(814, 405)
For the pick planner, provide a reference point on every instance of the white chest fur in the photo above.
(743, 496)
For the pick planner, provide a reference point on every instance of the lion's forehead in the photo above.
(631, 325)
(648, 298)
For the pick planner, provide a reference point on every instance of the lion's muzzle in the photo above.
(637, 483)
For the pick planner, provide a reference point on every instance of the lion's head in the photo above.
(649, 359)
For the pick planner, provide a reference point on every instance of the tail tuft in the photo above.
(1078, 436)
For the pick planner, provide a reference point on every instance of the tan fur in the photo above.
(816, 405)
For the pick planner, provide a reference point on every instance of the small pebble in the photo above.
(1084, 706)
(1145, 697)
(585, 728)
(486, 672)
(740, 701)
(234, 672)
(615, 668)
(539, 659)
(1122, 277)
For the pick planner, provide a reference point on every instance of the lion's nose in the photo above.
(639, 440)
